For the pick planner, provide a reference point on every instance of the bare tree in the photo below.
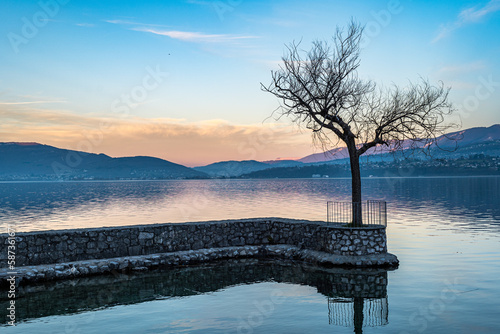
(322, 91)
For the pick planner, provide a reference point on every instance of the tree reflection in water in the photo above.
(356, 297)
(359, 300)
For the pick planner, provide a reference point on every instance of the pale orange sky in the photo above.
(175, 140)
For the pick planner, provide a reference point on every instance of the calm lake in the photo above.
(445, 232)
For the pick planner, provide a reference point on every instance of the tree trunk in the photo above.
(357, 219)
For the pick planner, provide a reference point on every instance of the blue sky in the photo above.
(181, 80)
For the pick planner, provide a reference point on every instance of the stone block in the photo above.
(146, 235)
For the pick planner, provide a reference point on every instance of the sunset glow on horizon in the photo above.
(180, 80)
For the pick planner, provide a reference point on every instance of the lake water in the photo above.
(445, 232)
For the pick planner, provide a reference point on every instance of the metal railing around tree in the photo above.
(370, 213)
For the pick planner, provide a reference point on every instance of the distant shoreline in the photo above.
(259, 179)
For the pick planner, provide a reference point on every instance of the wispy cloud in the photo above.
(187, 36)
(120, 22)
(475, 14)
(29, 102)
(135, 23)
(30, 117)
(463, 68)
(197, 37)
(468, 16)
(87, 25)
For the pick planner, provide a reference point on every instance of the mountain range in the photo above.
(450, 141)
(33, 161)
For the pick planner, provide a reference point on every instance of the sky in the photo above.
(181, 80)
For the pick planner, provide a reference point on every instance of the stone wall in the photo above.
(110, 290)
(48, 247)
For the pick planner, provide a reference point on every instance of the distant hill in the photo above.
(462, 139)
(33, 161)
(231, 168)
(336, 153)
(283, 163)
(470, 136)
(476, 164)
(235, 168)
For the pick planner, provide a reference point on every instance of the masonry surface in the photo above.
(96, 293)
(308, 240)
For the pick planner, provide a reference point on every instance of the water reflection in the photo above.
(469, 203)
(360, 301)
(351, 296)
(358, 312)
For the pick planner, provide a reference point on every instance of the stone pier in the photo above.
(59, 254)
